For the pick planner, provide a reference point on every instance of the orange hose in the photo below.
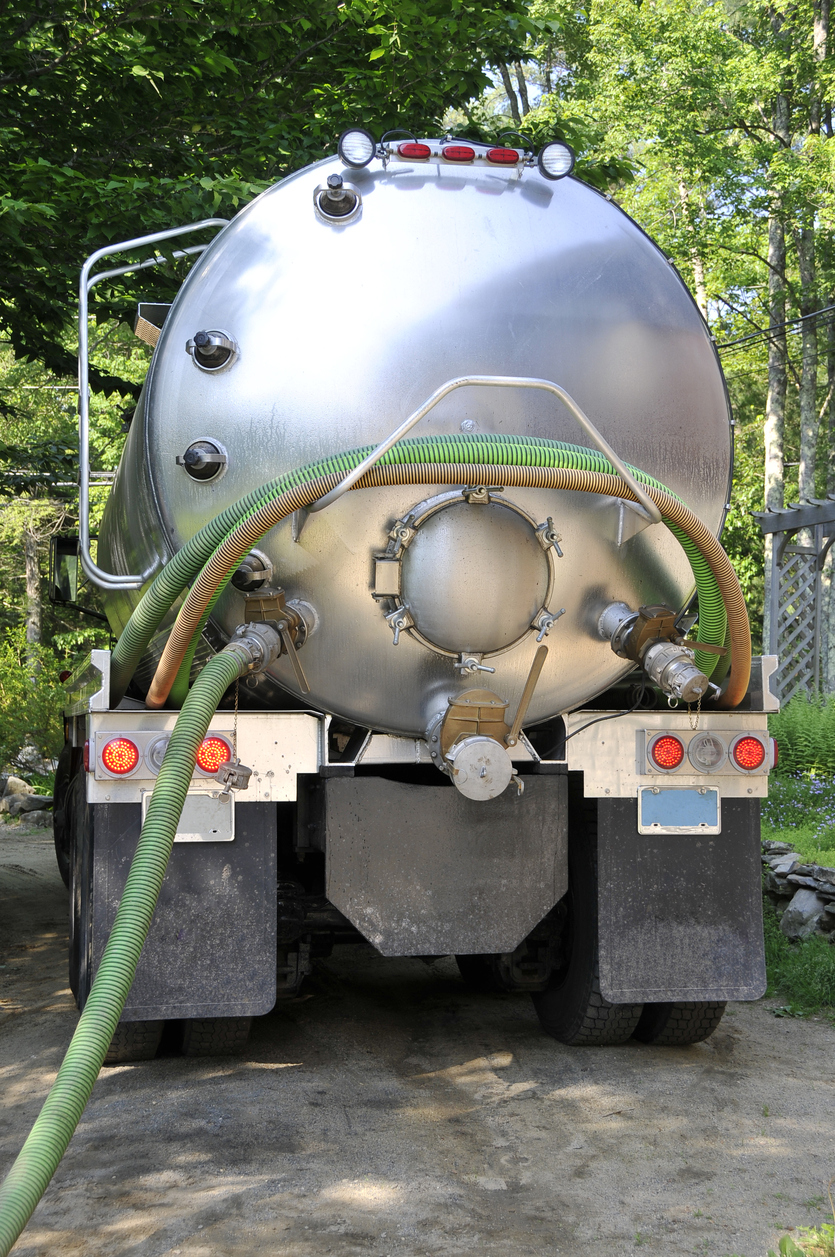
(241, 540)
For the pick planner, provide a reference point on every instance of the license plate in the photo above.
(205, 818)
(679, 811)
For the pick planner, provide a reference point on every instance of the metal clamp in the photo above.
(493, 381)
(107, 580)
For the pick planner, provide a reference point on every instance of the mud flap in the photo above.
(680, 915)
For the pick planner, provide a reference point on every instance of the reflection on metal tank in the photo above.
(342, 330)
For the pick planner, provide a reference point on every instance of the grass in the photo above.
(802, 973)
(810, 797)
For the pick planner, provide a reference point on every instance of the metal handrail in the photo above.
(107, 580)
(493, 381)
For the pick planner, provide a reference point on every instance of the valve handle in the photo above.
(527, 694)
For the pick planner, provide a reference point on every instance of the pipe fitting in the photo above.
(673, 669)
(257, 645)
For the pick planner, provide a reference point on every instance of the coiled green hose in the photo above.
(29, 1177)
(158, 599)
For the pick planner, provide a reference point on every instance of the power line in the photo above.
(775, 327)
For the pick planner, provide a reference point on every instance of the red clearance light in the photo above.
(120, 756)
(211, 753)
(503, 156)
(667, 752)
(775, 752)
(458, 152)
(64, 676)
(86, 757)
(748, 753)
(415, 152)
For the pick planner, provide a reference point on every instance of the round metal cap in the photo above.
(480, 767)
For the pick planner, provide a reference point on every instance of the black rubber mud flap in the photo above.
(680, 914)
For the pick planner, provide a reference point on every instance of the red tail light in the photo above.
(666, 752)
(415, 152)
(120, 756)
(748, 753)
(212, 752)
(458, 152)
(503, 156)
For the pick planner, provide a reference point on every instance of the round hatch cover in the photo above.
(474, 577)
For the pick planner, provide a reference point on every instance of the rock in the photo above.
(802, 915)
(773, 847)
(827, 922)
(35, 802)
(16, 785)
(41, 820)
(797, 880)
(786, 864)
(776, 885)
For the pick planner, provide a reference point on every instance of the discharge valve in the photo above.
(651, 638)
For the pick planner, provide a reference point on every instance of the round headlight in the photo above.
(556, 160)
(356, 147)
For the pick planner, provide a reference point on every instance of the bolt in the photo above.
(201, 339)
(334, 181)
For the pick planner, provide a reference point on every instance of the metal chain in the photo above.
(694, 724)
(235, 726)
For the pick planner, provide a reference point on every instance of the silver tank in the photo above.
(343, 330)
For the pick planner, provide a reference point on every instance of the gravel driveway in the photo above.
(390, 1111)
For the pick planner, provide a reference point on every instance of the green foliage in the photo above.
(805, 734)
(814, 1241)
(801, 972)
(123, 118)
(31, 699)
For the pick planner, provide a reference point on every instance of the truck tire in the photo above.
(61, 827)
(134, 1041)
(215, 1036)
(572, 1008)
(679, 1024)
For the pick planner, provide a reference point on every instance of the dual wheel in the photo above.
(205, 1036)
(572, 1007)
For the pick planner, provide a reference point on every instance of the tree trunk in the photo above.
(511, 95)
(33, 587)
(696, 262)
(809, 367)
(523, 87)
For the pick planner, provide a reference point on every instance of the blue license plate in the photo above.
(671, 811)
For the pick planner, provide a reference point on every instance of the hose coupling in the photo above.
(673, 669)
(651, 638)
(258, 645)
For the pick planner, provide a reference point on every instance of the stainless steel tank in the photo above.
(342, 330)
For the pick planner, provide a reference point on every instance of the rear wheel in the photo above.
(679, 1024)
(215, 1036)
(69, 765)
(134, 1041)
(572, 1008)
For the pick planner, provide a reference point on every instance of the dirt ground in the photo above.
(393, 1112)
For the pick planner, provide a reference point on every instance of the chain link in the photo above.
(694, 724)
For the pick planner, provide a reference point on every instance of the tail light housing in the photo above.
(120, 757)
(666, 752)
(211, 753)
(749, 753)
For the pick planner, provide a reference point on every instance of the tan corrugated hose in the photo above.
(239, 542)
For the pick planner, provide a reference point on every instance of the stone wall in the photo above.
(803, 894)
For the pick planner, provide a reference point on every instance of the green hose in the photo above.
(29, 1177)
(181, 570)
